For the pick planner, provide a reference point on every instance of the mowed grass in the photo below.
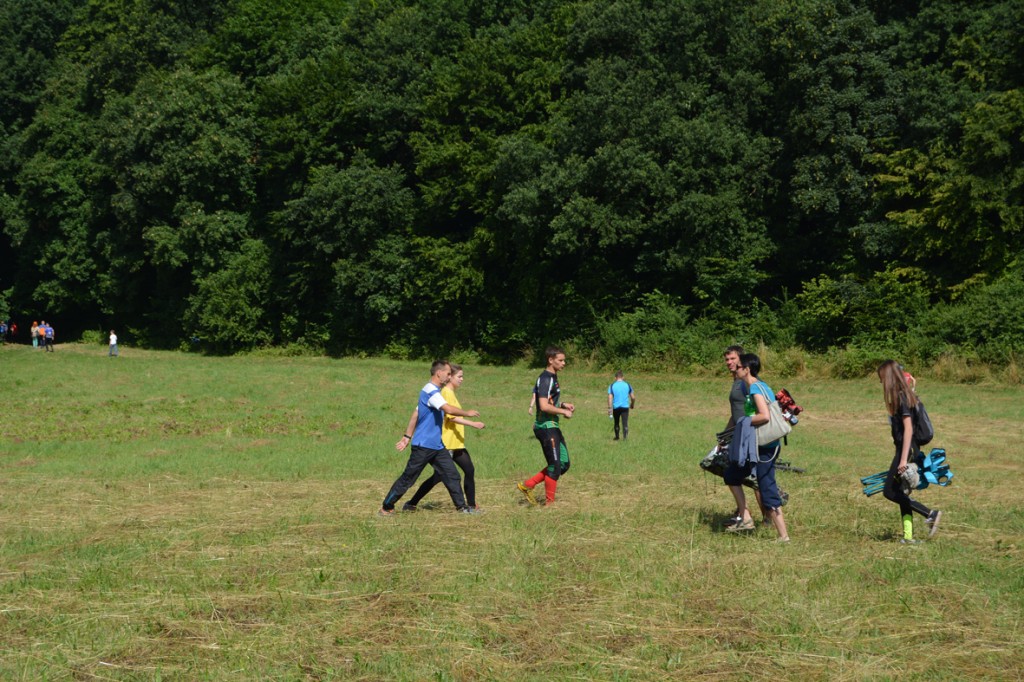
(168, 516)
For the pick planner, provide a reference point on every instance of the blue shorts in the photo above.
(770, 495)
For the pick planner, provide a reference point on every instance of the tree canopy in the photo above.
(357, 175)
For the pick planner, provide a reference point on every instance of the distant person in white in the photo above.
(113, 344)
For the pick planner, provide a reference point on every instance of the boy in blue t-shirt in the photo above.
(427, 446)
(620, 399)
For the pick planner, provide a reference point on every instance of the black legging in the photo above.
(894, 492)
(623, 414)
(461, 458)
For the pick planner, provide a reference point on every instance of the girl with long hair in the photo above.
(900, 403)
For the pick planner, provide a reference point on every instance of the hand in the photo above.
(477, 425)
(901, 468)
(400, 445)
(472, 413)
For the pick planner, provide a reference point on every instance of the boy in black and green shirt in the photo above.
(546, 429)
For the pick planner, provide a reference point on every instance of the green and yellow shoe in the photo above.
(528, 494)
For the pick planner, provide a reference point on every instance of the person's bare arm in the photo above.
(409, 431)
(762, 416)
(466, 422)
(458, 412)
(545, 406)
(908, 438)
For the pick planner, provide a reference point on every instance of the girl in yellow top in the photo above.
(453, 435)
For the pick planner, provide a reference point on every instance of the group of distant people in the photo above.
(42, 335)
(436, 433)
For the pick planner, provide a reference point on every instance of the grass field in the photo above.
(168, 516)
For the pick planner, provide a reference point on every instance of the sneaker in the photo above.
(910, 541)
(528, 494)
(742, 525)
(387, 512)
(408, 507)
(933, 522)
(469, 510)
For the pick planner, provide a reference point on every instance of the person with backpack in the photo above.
(902, 404)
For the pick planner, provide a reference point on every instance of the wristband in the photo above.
(409, 437)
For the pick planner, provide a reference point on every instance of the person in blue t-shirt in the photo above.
(427, 447)
(620, 400)
(48, 337)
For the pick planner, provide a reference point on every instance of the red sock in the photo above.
(532, 482)
(549, 489)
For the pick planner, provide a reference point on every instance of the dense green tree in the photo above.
(228, 310)
(350, 275)
(181, 154)
(32, 30)
(423, 174)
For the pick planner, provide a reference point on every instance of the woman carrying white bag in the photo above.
(765, 425)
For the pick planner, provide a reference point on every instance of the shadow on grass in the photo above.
(715, 519)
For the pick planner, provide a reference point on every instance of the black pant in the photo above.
(552, 443)
(461, 458)
(418, 460)
(623, 414)
(893, 491)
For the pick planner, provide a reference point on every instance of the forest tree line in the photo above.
(637, 178)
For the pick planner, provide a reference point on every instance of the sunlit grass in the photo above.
(166, 516)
